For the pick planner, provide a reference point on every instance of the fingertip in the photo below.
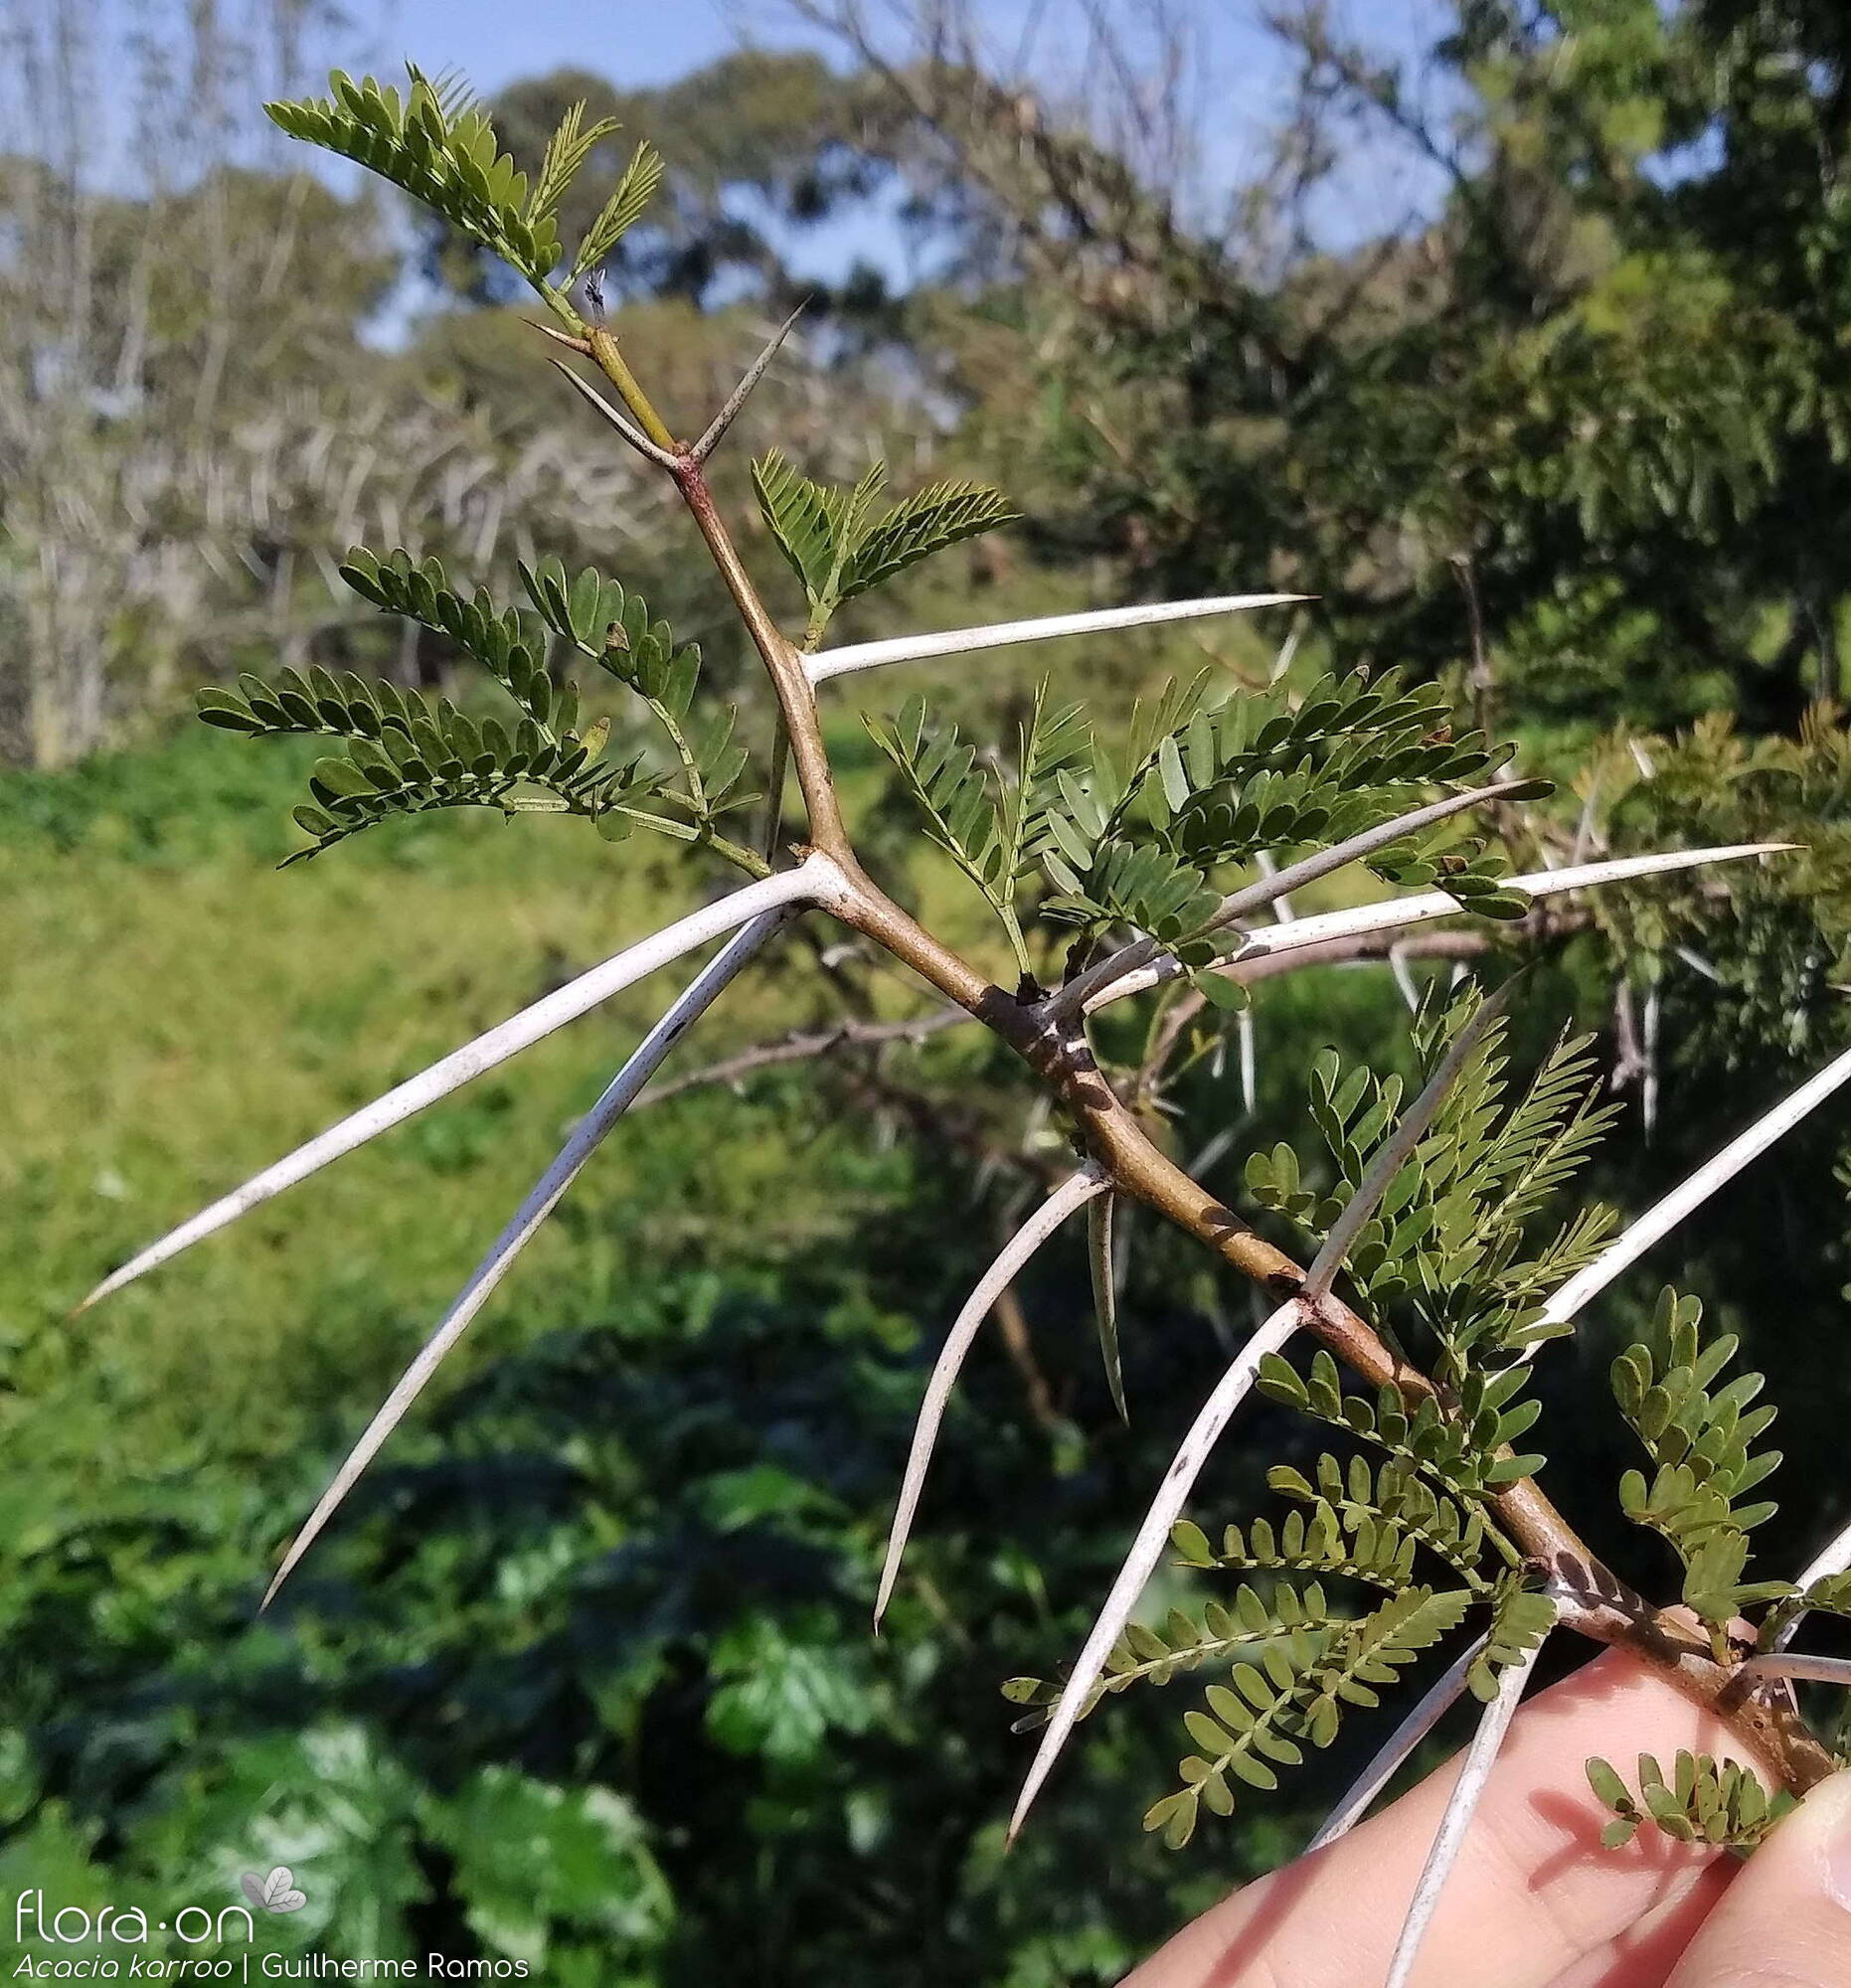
(1787, 1916)
(1809, 1853)
(1827, 1810)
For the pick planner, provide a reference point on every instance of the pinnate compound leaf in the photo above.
(629, 202)
(1296, 1692)
(1720, 1803)
(1701, 1437)
(1521, 1617)
(838, 550)
(942, 515)
(440, 150)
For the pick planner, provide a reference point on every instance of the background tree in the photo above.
(1613, 340)
(751, 146)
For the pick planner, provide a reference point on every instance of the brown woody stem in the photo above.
(1601, 1606)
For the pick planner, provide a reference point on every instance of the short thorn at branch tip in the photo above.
(564, 338)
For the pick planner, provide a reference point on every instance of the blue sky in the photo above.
(495, 41)
(1237, 79)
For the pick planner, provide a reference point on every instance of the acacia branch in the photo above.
(1594, 1601)
(1233, 1389)
(1053, 1044)
(813, 1043)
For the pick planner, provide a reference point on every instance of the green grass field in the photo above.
(177, 1012)
(602, 1610)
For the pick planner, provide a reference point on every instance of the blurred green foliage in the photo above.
(586, 1675)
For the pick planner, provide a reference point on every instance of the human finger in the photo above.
(1534, 1892)
(1786, 1919)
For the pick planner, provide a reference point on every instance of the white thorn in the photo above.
(1664, 1216)
(1322, 863)
(1073, 1193)
(1832, 1558)
(1791, 1664)
(630, 434)
(1147, 1548)
(588, 1135)
(1449, 1838)
(1361, 1798)
(1392, 1154)
(1393, 914)
(740, 393)
(1266, 890)
(1000, 634)
(519, 1032)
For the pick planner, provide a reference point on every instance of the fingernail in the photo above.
(1837, 1848)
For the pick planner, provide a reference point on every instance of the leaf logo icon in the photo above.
(274, 1893)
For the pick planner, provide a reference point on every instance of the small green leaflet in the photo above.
(993, 826)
